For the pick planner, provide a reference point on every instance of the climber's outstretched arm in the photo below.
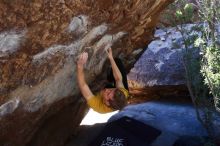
(116, 72)
(84, 88)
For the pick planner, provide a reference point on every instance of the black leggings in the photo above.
(111, 79)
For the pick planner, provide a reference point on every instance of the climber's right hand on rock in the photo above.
(82, 59)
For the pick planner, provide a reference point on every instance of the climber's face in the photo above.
(108, 94)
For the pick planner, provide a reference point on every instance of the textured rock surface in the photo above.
(39, 43)
(173, 119)
(160, 70)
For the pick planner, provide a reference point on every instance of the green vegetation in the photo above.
(209, 11)
(202, 72)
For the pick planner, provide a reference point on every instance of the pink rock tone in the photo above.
(39, 44)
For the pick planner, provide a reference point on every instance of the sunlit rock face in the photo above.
(160, 70)
(39, 44)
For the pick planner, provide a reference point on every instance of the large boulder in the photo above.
(160, 72)
(39, 44)
(175, 120)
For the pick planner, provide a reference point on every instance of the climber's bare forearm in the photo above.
(116, 73)
(84, 88)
